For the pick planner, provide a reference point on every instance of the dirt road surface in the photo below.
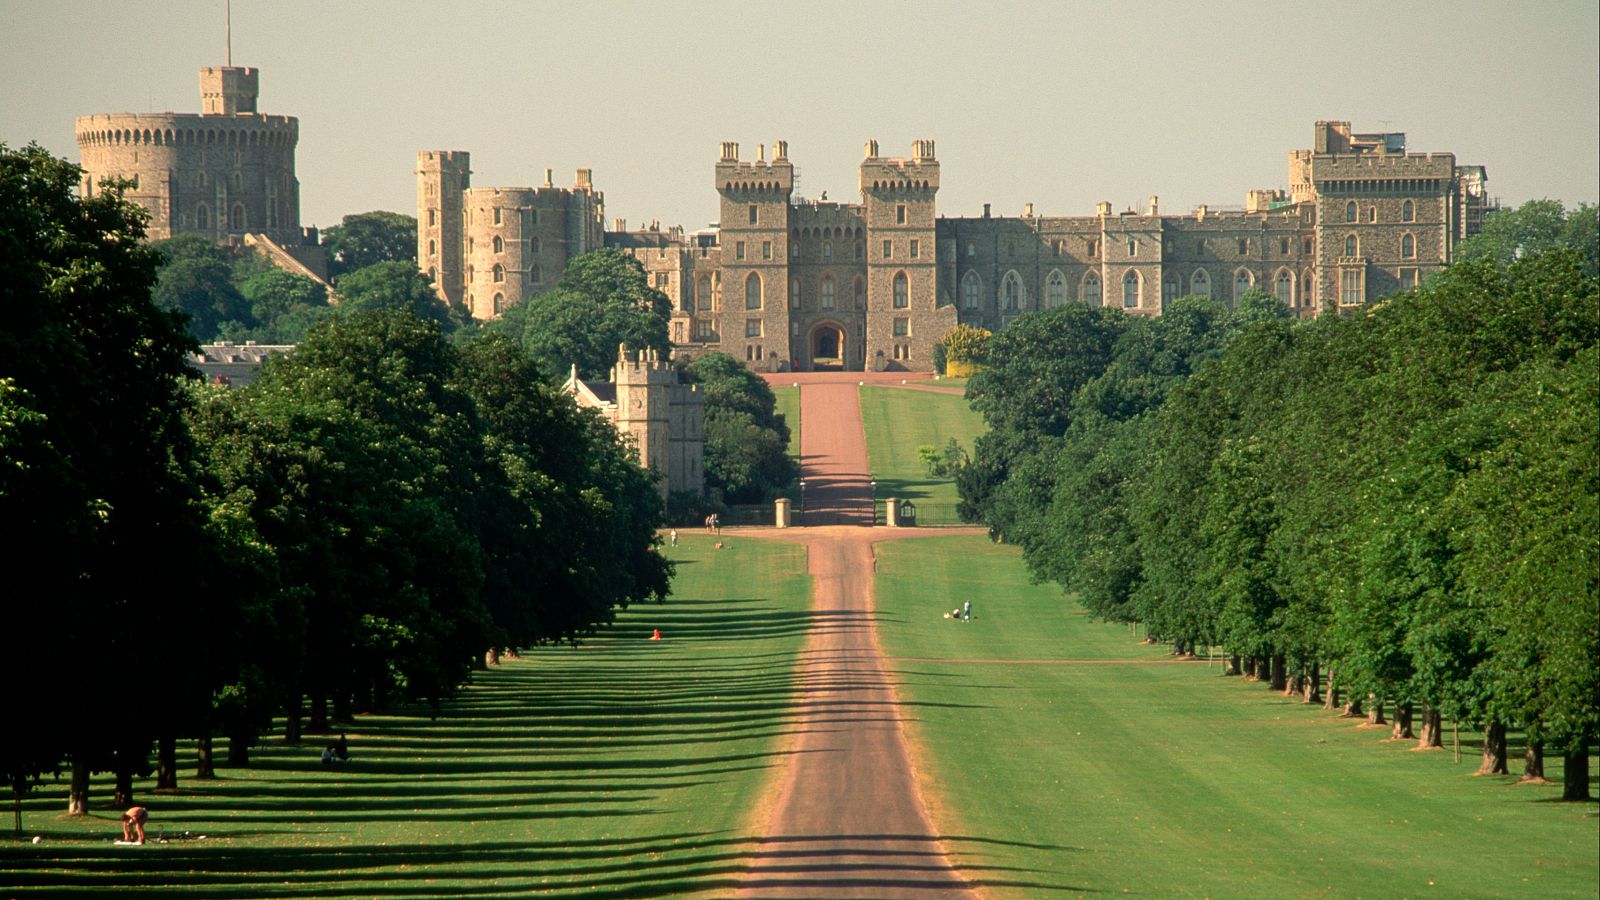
(845, 817)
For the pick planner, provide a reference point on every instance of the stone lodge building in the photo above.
(784, 283)
(647, 401)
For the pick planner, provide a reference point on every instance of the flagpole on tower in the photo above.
(228, 7)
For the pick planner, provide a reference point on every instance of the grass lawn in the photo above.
(789, 407)
(626, 767)
(899, 420)
(1102, 765)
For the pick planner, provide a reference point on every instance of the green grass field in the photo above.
(789, 407)
(1081, 761)
(897, 421)
(622, 768)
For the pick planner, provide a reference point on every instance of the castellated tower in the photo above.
(905, 316)
(442, 177)
(664, 418)
(224, 173)
(491, 248)
(754, 238)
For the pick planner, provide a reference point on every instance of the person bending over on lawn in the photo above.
(133, 824)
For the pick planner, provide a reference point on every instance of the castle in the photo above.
(226, 172)
(791, 284)
(645, 400)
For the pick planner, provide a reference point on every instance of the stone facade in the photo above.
(790, 284)
(664, 419)
(488, 248)
(225, 172)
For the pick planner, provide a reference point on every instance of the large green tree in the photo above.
(365, 239)
(394, 286)
(99, 519)
(602, 300)
(746, 451)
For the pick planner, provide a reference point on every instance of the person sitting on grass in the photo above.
(133, 824)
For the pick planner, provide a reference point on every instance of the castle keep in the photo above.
(226, 172)
(786, 283)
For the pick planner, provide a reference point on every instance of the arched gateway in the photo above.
(827, 346)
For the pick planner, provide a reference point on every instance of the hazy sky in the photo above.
(1058, 104)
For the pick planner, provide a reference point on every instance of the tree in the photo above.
(365, 239)
(96, 490)
(197, 281)
(282, 304)
(747, 440)
(965, 348)
(394, 286)
(602, 300)
(1534, 227)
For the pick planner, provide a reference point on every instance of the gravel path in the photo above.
(845, 818)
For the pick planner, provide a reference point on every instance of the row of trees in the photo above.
(1395, 507)
(359, 527)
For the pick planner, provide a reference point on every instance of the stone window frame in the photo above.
(755, 215)
(535, 274)
(1408, 211)
(1171, 289)
(826, 292)
(534, 245)
(1244, 246)
(1133, 247)
(1352, 286)
(794, 292)
(498, 273)
(1013, 295)
(702, 329)
(1055, 289)
(1408, 245)
(1200, 284)
(902, 326)
(859, 292)
(1352, 245)
(900, 214)
(1093, 246)
(738, 249)
(1132, 289)
(1408, 278)
(753, 291)
(499, 244)
(1090, 290)
(766, 249)
(1278, 280)
(752, 328)
(238, 218)
(972, 291)
(827, 250)
(497, 215)
(900, 288)
(702, 292)
(1283, 246)
(915, 249)
(1244, 277)
(972, 248)
(499, 303)
(888, 249)
(1372, 213)
(1351, 213)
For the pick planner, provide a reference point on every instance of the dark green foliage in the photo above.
(1534, 227)
(602, 300)
(234, 295)
(99, 518)
(394, 286)
(746, 451)
(366, 239)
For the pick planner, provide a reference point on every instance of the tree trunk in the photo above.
(1233, 666)
(291, 721)
(1575, 774)
(1247, 668)
(319, 714)
(1276, 674)
(205, 767)
(123, 798)
(1353, 710)
(1313, 685)
(167, 763)
(1402, 722)
(239, 749)
(1375, 712)
(341, 707)
(1494, 751)
(1291, 686)
(1533, 765)
(1432, 737)
(1330, 697)
(78, 793)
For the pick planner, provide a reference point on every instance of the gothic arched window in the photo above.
(971, 291)
(902, 290)
(1130, 290)
(1055, 290)
(752, 291)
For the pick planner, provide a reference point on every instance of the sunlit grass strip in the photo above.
(898, 421)
(625, 767)
(1089, 762)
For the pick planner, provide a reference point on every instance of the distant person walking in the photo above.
(674, 537)
(966, 611)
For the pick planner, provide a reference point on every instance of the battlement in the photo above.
(920, 172)
(642, 366)
(444, 160)
(228, 90)
(758, 176)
